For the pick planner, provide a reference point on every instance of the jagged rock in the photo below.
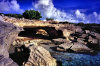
(8, 33)
(71, 38)
(6, 61)
(78, 29)
(42, 32)
(83, 35)
(92, 40)
(87, 31)
(81, 40)
(78, 47)
(59, 41)
(67, 34)
(97, 35)
(40, 57)
(64, 47)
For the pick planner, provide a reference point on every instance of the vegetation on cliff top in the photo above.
(32, 14)
(28, 14)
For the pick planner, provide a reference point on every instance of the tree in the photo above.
(32, 14)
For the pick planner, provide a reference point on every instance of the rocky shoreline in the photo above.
(45, 43)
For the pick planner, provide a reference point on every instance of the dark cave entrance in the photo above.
(20, 54)
(37, 32)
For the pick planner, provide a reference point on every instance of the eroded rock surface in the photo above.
(8, 33)
(40, 57)
(62, 36)
(36, 55)
(81, 41)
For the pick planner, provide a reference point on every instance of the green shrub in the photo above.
(14, 15)
(80, 24)
(51, 19)
(1, 13)
(32, 14)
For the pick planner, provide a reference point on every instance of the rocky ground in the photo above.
(52, 43)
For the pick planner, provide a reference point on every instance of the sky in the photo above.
(87, 11)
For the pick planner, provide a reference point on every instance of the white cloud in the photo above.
(79, 14)
(95, 14)
(47, 9)
(13, 6)
(90, 18)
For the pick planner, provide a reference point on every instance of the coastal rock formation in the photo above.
(40, 57)
(8, 33)
(34, 54)
(26, 51)
(64, 47)
(81, 41)
(78, 47)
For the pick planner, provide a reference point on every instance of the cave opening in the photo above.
(41, 33)
(20, 54)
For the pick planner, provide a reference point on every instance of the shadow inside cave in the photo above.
(31, 32)
(20, 55)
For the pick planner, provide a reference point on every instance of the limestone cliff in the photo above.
(38, 56)
(8, 33)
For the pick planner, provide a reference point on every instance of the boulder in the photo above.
(83, 35)
(67, 34)
(71, 38)
(78, 47)
(59, 41)
(64, 47)
(93, 40)
(40, 57)
(78, 29)
(81, 40)
(42, 32)
(87, 31)
(97, 35)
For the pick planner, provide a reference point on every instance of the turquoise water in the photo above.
(72, 59)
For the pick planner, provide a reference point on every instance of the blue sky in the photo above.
(88, 5)
(77, 10)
